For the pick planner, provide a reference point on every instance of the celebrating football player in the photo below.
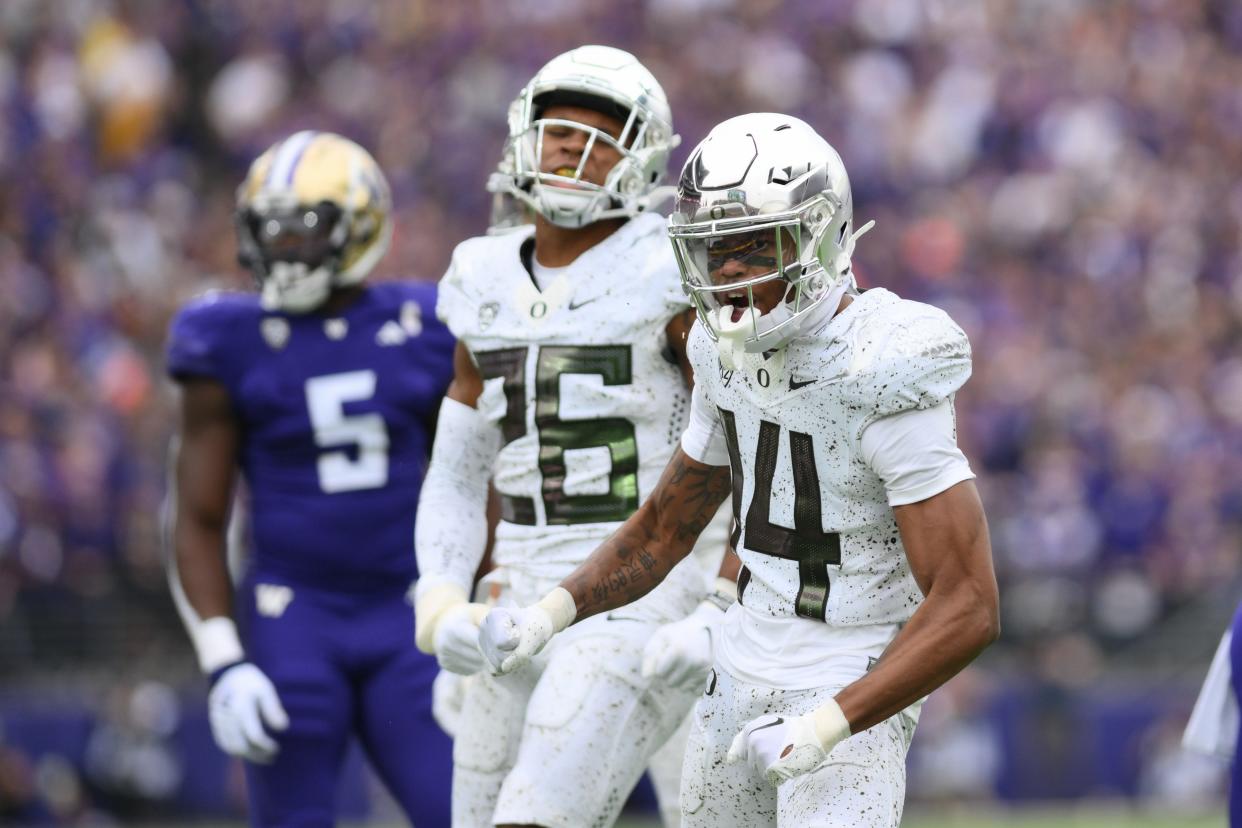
(322, 391)
(570, 392)
(827, 414)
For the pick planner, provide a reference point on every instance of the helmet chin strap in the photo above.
(736, 339)
(565, 207)
(731, 337)
(295, 288)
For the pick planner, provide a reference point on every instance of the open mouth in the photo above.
(740, 304)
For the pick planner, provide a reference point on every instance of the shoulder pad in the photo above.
(905, 355)
(469, 276)
(201, 329)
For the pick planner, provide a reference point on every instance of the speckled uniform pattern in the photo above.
(801, 485)
(562, 742)
(826, 582)
(862, 783)
(577, 377)
(590, 410)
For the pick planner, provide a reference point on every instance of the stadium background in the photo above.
(1062, 176)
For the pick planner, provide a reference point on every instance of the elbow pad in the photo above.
(450, 528)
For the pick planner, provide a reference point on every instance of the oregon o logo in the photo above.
(763, 377)
(539, 310)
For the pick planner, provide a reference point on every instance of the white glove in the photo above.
(680, 653)
(456, 639)
(510, 637)
(432, 599)
(448, 692)
(240, 703)
(779, 749)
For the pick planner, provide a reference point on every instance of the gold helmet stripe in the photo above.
(280, 174)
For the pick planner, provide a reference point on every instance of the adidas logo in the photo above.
(391, 334)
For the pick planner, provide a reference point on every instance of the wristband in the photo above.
(216, 643)
(831, 726)
(724, 596)
(560, 606)
(429, 608)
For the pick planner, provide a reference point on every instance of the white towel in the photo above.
(1213, 725)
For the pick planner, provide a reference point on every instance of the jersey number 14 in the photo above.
(807, 543)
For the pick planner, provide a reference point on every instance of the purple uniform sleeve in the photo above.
(193, 342)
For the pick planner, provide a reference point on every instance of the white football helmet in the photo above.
(611, 81)
(313, 214)
(766, 192)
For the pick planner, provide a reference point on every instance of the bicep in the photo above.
(206, 451)
(947, 544)
(677, 333)
(467, 384)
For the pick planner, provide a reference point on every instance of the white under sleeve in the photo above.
(704, 438)
(450, 527)
(915, 453)
(1213, 725)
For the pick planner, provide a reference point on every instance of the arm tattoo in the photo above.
(638, 555)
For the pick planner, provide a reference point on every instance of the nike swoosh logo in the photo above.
(778, 721)
(794, 385)
(573, 306)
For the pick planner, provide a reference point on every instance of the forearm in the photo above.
(624, 568)
(201, 569)
(647, 546)
(451, 525)
(945, 634)
(202, 592)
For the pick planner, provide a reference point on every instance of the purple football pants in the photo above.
(344, 664)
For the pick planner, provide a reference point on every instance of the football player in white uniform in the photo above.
(570, 394)
(828, 415)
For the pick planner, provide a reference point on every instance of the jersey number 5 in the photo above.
(338, 471)
(807, 543)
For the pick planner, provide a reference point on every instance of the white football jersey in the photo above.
(579, 378)
(814, 528)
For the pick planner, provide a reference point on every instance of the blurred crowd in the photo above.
(1062, 177)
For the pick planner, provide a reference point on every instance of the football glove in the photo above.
(680, 653)
(240, 703)
(779, 749)
(510, 637)
(456, 639)
(431, 601)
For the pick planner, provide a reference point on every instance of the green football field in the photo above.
(1083, 817)
(965, 817)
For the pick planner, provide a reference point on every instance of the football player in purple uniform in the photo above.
(322, 391)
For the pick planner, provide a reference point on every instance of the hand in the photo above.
(239, 704)
(448, 691)
(511, 637)
(457, 639)
(680, 654)
(779, 749)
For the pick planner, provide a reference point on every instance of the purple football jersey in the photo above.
(336, 414)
